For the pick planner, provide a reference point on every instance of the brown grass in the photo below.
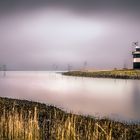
(24, 120)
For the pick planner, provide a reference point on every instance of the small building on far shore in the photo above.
(136, 56)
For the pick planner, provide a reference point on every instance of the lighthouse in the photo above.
(136, 56)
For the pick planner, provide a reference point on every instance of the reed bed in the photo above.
(118, 74)
(24, 120)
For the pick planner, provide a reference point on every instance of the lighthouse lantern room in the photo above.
(136, 56)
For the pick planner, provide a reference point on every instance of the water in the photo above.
(119, 99)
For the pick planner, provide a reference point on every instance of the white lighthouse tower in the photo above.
(136, 56)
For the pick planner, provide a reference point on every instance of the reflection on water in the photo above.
(136, 98)
(93, 96)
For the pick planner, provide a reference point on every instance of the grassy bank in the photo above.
(24, 120)
(120, 74)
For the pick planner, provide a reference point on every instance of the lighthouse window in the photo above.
(136, 56)
(137, 49)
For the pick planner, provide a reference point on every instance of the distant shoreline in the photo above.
(116, 74)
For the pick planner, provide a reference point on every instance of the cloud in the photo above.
(39, 37)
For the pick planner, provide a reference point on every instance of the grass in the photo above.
(26, 120)
(118, 74)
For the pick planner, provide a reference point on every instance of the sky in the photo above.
(55, 34)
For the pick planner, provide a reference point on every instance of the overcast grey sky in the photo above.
(39, 34)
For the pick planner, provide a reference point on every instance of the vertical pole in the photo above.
(4, 70)
(0, 69)
(85, 65)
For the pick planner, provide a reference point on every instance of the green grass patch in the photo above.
(119, 74)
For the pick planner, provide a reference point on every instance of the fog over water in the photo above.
(48, 35)
(116, 98)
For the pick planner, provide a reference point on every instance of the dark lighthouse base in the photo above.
(136, 65)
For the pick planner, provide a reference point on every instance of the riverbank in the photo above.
(118, 74)
(21, 119)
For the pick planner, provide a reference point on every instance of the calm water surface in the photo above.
(119, 99)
